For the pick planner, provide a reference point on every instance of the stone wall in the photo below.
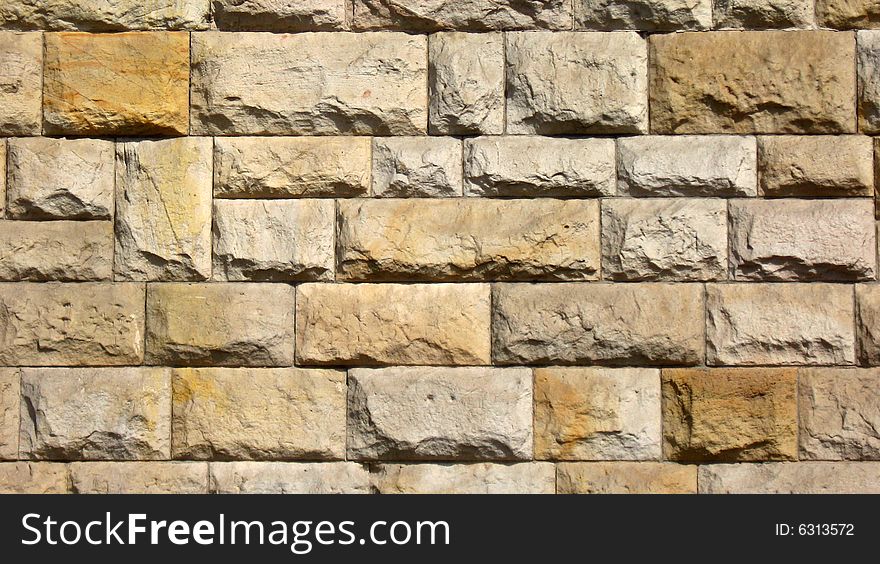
(439, 246)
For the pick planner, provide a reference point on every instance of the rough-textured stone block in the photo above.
(104, 15)
(868, 62)
(466, 83)
(648, 15)
(56, 250)
(514, 166)
(664, 239)
(763, 14)
(597, 414)
(60, 178)
(753, 82)
(730, 414)
(274, 240)
(320, 84)
(33, 478)
(163, 209)
(848, 14)
(289, 478)
(139, 477)
(755, 324)
(839, 414)
(478, 478)
(704, 165)
(439, 413)
(472, 15)
(625, 478)
(291, 167)
(280, 15)
(406, 167)
(116, 84)
(629, 324)
(21, 76)
(10, 392)
(791, 478)
(238, 324)
(258, 414)
(95, 413)
(375, 324)
(71, 324)
(803, 240)
(468, 239)
(570, 82)
(816, 166)
(868, 323)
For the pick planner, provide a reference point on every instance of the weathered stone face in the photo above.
(631, 324)
(258, 414)
(625, 477)
(730, 414)
(868, 62)
(816, 166)
(569, 82)
(322, 84)
(280, 240)
(33, 478)
(291, 167)
(380, 324)
(597, 414)
(163, 209)
(803, 240)
(238, 324)
(664, 239)
(526, 166)
(289, 478)
(687, 165)
(868, 322)
(472, 15)
(479, 478)
(104, 15)
(439, 413)
(21, 70)
(10, 392)
(71, 324)
(466, 83)
(116, 84)
(763, 14)
(791, 478)
(60, 178)
(56, 250)
(649, 15)
(406, 167)
(762, 82)
(139, 477)
(755, 324)
(96, 413)
(280, 15)
(848, 14)
(839, 414)
(468, 239)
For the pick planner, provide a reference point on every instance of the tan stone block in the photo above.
(71, 324)
(56, 250)
(289, 478)
(625, 478)
(868, 323)
(624, 324)
(647, 15)
(33, 478)
(10, 394)
(291, 167)
(280, 15)
(763, 14)
(753, 82)
(21, 76)
(468, 239)
(377, 324)
(163, 209)
(472, 15)
(597, 414)
(139, 477)
(868, 62)
(116, 84)
(96, 413)
(791, 478)
(235, 323)
(105, 15)
(816, 166)
(412, 167)
(258, 414)
(779, 324)
(848, 14)
(730, 414)
(477, 478)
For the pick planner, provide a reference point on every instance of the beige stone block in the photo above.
(21, 78)
(471, 15)
(848, 14)
(56, 250)
(791, 478)
(477, 478)
(625, 478)
(33, 478)
(763, 14)
(105, 15)
(416, 167)
(868, 323)
(10, 394)
(868, 63)
(289, 478)
(280, 15)
(139, 477)
(647, 15)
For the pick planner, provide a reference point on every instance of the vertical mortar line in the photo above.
(856, 347)
(855, 39)
(491, 324)
(427, 86)
(42, 84)
(213, 192)
(797, 414)
(189, 86)
(113, 213)
(699, 490)
(534, 427)
(504, 69)
(705, 297)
